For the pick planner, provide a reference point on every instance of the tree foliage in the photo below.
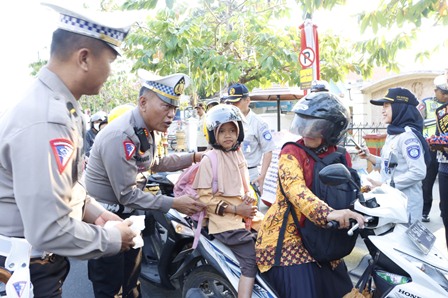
(121, 87)
(408, 16)
(218, 42)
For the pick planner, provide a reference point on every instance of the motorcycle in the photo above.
(403, 261)
(169, 260)
(165, 236)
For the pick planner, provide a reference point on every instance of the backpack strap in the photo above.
(281, 236)
(329, 159)
(214, 161)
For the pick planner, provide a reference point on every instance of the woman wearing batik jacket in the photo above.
(321, 120)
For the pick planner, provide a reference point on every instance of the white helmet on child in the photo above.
(219, 115)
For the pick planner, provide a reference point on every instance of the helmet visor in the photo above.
(310, 127)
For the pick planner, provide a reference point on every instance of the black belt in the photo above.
(250, 168)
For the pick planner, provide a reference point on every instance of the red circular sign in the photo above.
(307, 57)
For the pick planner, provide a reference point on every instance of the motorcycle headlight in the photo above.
(182, 229)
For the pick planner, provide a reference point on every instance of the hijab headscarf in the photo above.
(405, 115)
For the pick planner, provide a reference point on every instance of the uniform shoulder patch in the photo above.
(267, 135)
(129, 149)
(413, 151)
(63, 152)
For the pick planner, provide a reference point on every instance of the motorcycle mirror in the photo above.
(335, 174)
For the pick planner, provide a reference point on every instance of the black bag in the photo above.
(324, 245)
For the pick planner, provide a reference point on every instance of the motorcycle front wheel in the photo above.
(210, 282)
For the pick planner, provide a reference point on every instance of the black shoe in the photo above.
(425, 218)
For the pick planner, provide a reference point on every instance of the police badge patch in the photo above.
(413, 151)
(129, 149)
(63, 152)
(267, 136)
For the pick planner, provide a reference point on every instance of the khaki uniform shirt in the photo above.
(41, 163)
(116, 159)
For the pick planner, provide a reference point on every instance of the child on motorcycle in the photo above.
(231, 203)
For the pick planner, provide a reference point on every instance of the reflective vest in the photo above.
(431, 104)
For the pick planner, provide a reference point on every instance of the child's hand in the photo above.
(246, 210)
(248, 199)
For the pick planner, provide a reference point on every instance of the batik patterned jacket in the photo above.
(296, 175)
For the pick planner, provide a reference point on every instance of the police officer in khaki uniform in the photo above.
(42, 198)
(258, 144)
(122, 150)
(427, 108)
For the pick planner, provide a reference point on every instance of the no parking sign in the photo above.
(307, 57)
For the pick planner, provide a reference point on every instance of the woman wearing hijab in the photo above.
(405, 140)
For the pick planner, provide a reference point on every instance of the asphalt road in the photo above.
(78, 285)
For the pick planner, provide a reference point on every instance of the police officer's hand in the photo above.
(105, 217)
(363, 152)
(127, 235)
(343, 217)
(187, 205)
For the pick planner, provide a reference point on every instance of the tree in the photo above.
(219, 42)
(121, 87)
(408, 15)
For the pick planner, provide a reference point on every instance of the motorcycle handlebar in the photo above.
(354, 225)
(333, 224)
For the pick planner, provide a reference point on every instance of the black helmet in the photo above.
(321, 114)
(219, 115)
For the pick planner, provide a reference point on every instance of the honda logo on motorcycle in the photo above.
(407, 294)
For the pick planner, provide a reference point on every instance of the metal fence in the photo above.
(358, 131)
